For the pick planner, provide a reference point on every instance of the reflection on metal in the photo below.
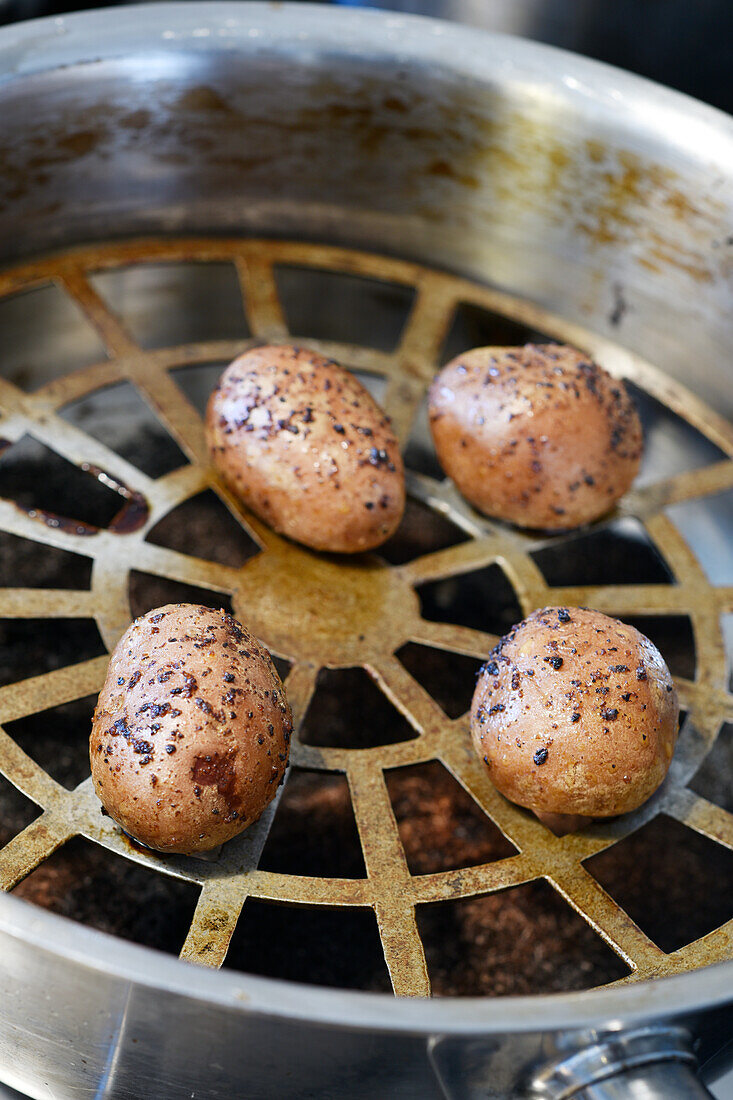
(318, 611)
(605, 1056)
(655, 1062)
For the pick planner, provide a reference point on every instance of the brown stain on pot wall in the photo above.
(445, 170)
(393, 103)
(681, 206)
(633, 194)
(596, 150)
(136, 120)
(473, 162)
(588, 188)
(202, 98)
(622, 190)
(694, 267)
(80, 143)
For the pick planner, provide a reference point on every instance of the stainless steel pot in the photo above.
(591, 194)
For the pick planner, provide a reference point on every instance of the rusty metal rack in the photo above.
(299, 602)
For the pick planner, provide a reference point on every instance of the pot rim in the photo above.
(704, 133)
(111, 957)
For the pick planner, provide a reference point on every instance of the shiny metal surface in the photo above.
(126, 1020)
(660, 1081)
(652, 1062)
(591, 194)
(655, 1062)
(597, 195)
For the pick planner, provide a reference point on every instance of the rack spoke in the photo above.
(160, 391)
(403, 949)
(28, 849)
(427, 327)
(18, 521)
(170, 405)
(527, 581)
(704, 817)
(214, 921)
(621, 599)
(76, 385)
(261, 299)
(46, 603)
(51, 689)
(453, 561)
(112, 612)
(410, 698)
(398, 755)
(457, 639)
(588, 898)
(690, 485)
(310, 890)
(112, 332)
(401, 402)
(389, 877)
(484, 878)
(677, 551)
(164, 562)
(299, 687)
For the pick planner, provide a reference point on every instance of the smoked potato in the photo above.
(304, 445)
(191, 733)
(539, 435)
(575, 713)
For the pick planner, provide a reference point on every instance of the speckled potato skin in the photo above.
(566, 662)
(191, 733)
(540, 436)
(304, 445)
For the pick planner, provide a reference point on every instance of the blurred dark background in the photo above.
(686, 44)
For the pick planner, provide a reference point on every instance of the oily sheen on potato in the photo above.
(304, 445)
(575, 713)
(191, 733)
(539, 435)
